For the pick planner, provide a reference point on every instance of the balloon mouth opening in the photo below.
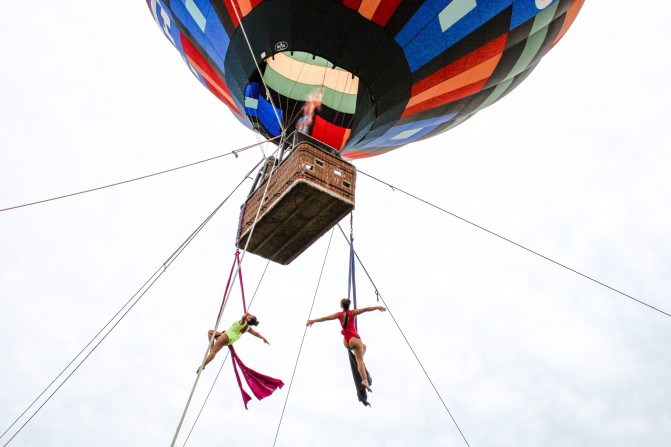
(295, 90)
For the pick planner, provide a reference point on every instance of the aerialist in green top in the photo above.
(232, 334)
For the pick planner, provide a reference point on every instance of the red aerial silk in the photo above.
(261, 385)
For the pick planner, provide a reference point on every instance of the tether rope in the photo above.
(379, 296)
(293, 113)
(263, 81)
(225, 299)
(303, 339)
(234, 152)
(394, 188)
(134, 300)
(229, 288)
(222, 364)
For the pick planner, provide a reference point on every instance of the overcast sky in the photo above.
(574, 165)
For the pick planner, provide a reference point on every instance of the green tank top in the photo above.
(235, 331)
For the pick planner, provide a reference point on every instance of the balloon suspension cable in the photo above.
(116, 319)
(165, 171)
(557, 263)
(298, 356)
(238, 265)
(406, 339)
(351, 279)
(214, 382)
(258, 68)
(263, 198)
(231, 280)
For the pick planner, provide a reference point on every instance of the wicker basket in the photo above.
(309, 192)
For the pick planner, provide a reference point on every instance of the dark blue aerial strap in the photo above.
(351, 280)
(362, 395)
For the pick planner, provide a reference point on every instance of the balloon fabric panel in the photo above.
(364, 76)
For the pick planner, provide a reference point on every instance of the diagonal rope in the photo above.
(214, 382)
(234, 152)
(263, 81)
(379, 296)
(129, 305)
(224, 303)
(394, 188)
(303, 339)
(293, 114)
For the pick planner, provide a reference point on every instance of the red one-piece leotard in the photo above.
(348, 331)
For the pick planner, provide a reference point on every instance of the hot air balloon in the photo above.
(358, 78)
(363, 76)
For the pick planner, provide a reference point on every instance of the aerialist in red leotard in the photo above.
(352, 339)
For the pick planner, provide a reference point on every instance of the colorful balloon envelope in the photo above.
(363, 76)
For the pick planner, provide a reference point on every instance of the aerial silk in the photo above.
(361, 392)
(363, 76)
(261, 385)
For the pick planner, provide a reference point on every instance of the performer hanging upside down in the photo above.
(231, 335)
(352, 339)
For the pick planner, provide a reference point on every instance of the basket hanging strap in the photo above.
(351, 280)
(228, 284)
(242, 287)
